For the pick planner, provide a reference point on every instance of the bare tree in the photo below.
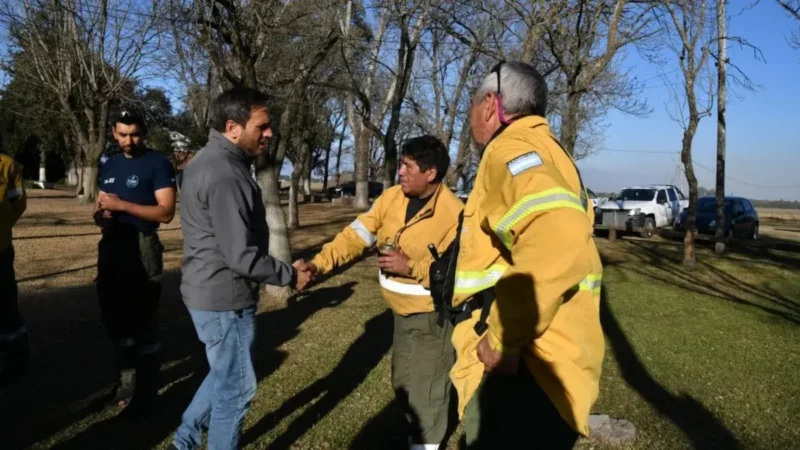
(722, 105)
(194, 70)
(298, 154)
(359, 86)
(793, 8)
(411, 19)
(583, 43)
(336, 122)
(240, 37)
(444, 81)
(87, 54)
(370, 82)
(691, 33)
(245, 42)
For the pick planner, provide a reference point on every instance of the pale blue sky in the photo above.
(763, 126)
(763, 145)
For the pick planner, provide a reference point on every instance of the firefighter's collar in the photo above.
(525, 120)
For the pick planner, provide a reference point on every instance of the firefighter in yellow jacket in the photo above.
(403, 222)
(13, 333)
(528, 365)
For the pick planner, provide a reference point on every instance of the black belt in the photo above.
(480, 301)
(113, 231)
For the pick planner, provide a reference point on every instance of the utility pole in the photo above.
(722, 100)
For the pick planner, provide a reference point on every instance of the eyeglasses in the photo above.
(500, 115)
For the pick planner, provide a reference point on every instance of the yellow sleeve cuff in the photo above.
(320, 264)
(496, 345)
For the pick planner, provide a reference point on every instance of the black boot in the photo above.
(125, 385)
(145, 398)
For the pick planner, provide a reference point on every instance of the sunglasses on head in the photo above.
(496, 69)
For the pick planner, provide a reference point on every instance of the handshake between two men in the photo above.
(390, 261)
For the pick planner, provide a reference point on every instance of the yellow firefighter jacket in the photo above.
(435, 224)
(12, 198)
(526, 232)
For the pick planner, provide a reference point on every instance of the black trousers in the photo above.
(513, 412)
(129, 278)
(13, 334)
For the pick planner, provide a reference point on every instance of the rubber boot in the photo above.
(148, 367)
(125, 385)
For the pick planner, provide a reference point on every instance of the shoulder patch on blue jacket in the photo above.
(524, 162)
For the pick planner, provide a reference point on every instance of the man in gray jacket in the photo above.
(225, 261)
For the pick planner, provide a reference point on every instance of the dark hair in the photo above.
(429, 153)
(235, 104)
(129, 116)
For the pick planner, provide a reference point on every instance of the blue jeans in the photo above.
(224, 397)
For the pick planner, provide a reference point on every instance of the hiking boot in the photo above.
(145, 396)
(120, 394)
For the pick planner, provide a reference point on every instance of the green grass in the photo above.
(704, 358)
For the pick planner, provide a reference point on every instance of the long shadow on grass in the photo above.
(72, 364)
(665, 267)
(274, 329)
(363, 355)
(387, 430)
(692, 417)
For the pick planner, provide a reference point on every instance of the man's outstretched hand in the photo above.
(305, 274)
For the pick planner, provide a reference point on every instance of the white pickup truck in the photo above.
(649, 207)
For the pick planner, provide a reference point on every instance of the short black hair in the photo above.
(235, 104)
(429, 153)
(128, 115)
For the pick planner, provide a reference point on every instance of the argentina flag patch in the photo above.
(524, 162)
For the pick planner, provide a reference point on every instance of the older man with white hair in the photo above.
(524, 285)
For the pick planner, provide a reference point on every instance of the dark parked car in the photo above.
(741, 218)
(349, 189)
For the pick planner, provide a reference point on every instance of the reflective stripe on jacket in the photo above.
(434, 224)
(12, 198)
(526, 233)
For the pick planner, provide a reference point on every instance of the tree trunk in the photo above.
(276, 219)
(307, 172)
(405, 60)
(268, 176)
(390, 164)
(73, 176)
(326, 169)
(462, 157)
(42, 166)
(294, 216)
(569, 123)
(722, 98)
(689, 254)
(89, 182)
(279, 247)
(338, 172)
(362, 170)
